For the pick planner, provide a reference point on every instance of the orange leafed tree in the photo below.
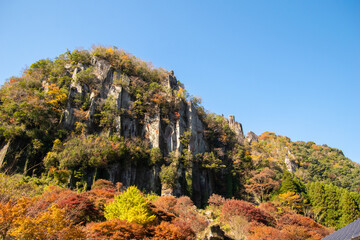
(9, 213)
(116, 229)
(262, 185)
(266, 233)
(47, 225)
(167, 231)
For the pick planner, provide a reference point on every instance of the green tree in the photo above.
(168, 175)
(332, 198)
(290, 184)
(131, 206)
(356, 197)
(349, 209)
(155, 156)
(316, 194)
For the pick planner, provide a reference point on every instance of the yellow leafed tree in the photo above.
(47, 225)
(130, 206)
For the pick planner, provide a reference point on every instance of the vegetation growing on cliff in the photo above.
(85, 115)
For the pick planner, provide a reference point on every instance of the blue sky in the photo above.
(290, 67)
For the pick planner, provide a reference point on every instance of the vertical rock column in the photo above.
(237, 128)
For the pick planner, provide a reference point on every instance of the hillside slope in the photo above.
(308, 161)
(105, 114)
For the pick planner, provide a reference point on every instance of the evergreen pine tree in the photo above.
(356, 197)
(349, 209)
(332, 196)
(316, 195)
(288, 184)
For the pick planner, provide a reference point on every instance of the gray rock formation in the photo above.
(3, 153)
(237, 128)
(102, 68)
(171, 81)
(152, 130)
(163, 132)
(251, 137)
(197, 140)
(291, 165)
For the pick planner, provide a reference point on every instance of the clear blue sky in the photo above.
(290, 67)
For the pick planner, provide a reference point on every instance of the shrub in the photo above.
(14, 187)
(187, 213)
(270, 208)
(299, 220)
(9, 213)
(168, 175)
(234, 207)
(155, 156)
(195, 221)
(80, 56)
(301, 227)
(184, 204)
(295, 232)
(266, 233)
(116, 229)
(100, 197)
(51, 224)
(103, 184)
(238, 227)
(216, 200)
(79, 208)
(52, 195)
(87, 77)
(131, 206)
(166, 203)
(161, 215)
(185, 228)
(167, 231)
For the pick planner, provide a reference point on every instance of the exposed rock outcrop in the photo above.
(163, 135)
(197, 140)
(291, 165)
(237, 128)
(3, 152)
(96, 84)
(251, 137)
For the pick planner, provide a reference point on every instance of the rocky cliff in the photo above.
(98, 85)
(165, 135)
(106, 114)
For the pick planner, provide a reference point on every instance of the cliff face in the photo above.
(106, 114)
(112, 94)
(165, 135)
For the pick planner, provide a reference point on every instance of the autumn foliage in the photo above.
(234, 207)
(185, 210)
(16, 221)
(80, 209)
(60, 213)
(166, 231)
(130, 206)
(116, 229)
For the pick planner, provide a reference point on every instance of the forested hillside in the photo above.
(77, 133)
(319, 180)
